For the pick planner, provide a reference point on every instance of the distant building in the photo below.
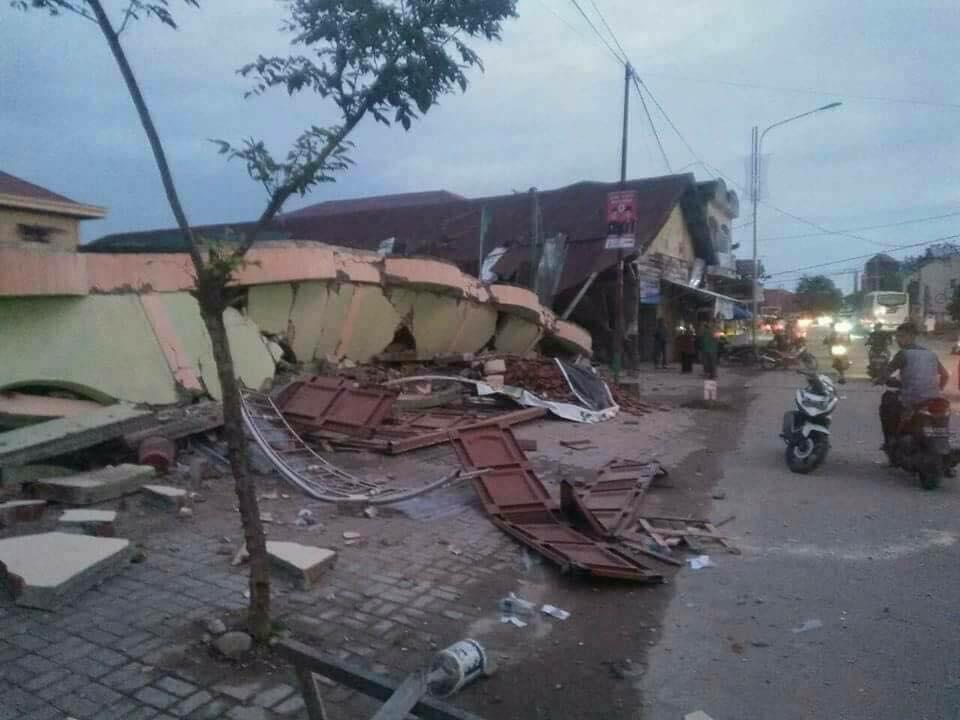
(932, 286)
(778, 302)
(33, 216)
(881, 272)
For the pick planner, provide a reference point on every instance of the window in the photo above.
(36, 233)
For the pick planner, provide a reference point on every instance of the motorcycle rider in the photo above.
(878, 341)
(839, 362)
(922, 377)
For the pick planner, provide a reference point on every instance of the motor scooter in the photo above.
(877, 363)
(841, 363)
(921, 442)
(806, 430)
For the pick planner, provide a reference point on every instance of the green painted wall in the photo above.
(106, 344)
(103, 342)
(516, 335)
(252, 361)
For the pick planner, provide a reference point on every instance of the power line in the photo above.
(670, 122)
(597, 32)
(812, 91)
(569, 24)
(623, 52)
(861, 257)
(653, 127)
(930, 218)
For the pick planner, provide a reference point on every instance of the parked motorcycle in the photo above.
(877, 363)
(806, 430)
(773, 359)
(738, 355)
(921, 444)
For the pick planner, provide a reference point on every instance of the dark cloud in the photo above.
(546, 112)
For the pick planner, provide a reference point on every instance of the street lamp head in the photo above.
(831, 106)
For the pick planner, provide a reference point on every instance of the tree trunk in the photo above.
(211, 285)
(258, 618)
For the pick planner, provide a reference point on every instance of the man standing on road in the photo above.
(660, 345)
(708, 350)
(922, 377)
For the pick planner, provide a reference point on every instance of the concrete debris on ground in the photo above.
(99, 523)
(96, 486)
(304, 563)
(165, 496)
(18, 511)
(45, 569)
(69, 434)
(233, 644)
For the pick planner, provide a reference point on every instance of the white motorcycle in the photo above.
(806, 430)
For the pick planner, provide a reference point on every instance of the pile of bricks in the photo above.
(541, 376)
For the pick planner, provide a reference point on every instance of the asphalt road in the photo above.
(844, 603)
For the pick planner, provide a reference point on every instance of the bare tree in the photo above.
(389, 59)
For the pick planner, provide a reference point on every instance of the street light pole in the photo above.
(756, 146)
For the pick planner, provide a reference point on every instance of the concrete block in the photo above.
(43, 570)
(17, 511)
(494, 381)
(96, 486)
(165, 496)
(20, 474)
(99, 523)
(495, 367)
(304, 563)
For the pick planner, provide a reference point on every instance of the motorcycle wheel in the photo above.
(931, 473)
(807, 455)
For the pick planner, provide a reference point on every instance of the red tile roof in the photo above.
(12, 185)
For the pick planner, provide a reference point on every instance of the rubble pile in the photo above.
(540, 376)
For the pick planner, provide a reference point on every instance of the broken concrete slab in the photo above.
(68, 434)
(304, 563)
(99, 523)
(18, 511)
(19, 474)
(45, 569)
(96, 486)
(165, 496)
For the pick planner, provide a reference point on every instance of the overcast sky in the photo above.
(547, 112)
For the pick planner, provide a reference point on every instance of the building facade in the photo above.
(932, 287)
(32, 216)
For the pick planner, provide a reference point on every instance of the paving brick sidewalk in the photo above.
(133, 647)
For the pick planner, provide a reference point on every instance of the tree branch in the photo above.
(282, 194)
(126, 17)
(82, 13)
(147, 121)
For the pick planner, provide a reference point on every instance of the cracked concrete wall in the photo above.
(106, 343)
(252, 361)
(516, 334)
(358, 321)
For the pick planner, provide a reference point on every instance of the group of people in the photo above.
(689, 344)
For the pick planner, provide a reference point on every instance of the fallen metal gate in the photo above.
(338, 404)
(520, 505)
(294, 459)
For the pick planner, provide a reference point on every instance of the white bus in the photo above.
(890, 309)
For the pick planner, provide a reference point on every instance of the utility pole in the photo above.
(618, 319)
(535, 240)
(755, 198)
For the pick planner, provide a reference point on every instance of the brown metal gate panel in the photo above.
(574, 551)
(511, 492)
(488, 446)
(519, 504)
(337, 405)
(610, 504)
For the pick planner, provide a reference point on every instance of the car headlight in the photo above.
(838, 350)
(843, 326)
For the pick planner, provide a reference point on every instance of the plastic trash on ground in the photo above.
(554, 611)
(700, 562)
(513, 609)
